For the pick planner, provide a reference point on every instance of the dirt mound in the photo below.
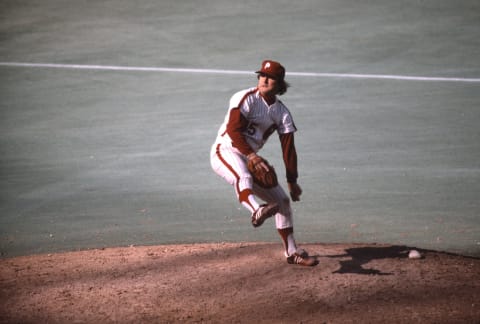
(240, 283)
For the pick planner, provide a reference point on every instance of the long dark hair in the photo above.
(282, 87)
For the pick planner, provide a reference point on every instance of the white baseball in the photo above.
(414, 254)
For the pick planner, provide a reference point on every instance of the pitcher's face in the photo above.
(267, 86)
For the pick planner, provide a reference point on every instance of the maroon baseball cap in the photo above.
(273, 69)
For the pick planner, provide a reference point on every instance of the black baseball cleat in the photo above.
(263, 212)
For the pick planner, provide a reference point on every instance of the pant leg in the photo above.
(284, 217)
(231, 165)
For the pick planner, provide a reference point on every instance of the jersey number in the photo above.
(251, 129)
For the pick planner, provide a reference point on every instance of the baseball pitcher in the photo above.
(253, 115)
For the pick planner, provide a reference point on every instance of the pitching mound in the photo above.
(240, 283)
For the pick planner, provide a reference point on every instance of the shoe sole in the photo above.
(269, 211)
(306, 262)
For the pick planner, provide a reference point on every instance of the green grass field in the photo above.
(93, 156)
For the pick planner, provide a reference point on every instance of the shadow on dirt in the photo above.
(362, 255)
(355, 258)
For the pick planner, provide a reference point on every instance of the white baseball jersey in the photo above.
(263, 119)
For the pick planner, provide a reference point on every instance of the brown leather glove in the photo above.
(262, 172)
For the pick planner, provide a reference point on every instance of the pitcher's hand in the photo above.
(295, 191)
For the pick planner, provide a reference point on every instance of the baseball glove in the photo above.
(262, 172)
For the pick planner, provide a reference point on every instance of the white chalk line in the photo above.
(234, 72)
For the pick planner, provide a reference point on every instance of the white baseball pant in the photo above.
(231, 165)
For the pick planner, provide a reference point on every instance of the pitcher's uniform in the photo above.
(248, 124)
